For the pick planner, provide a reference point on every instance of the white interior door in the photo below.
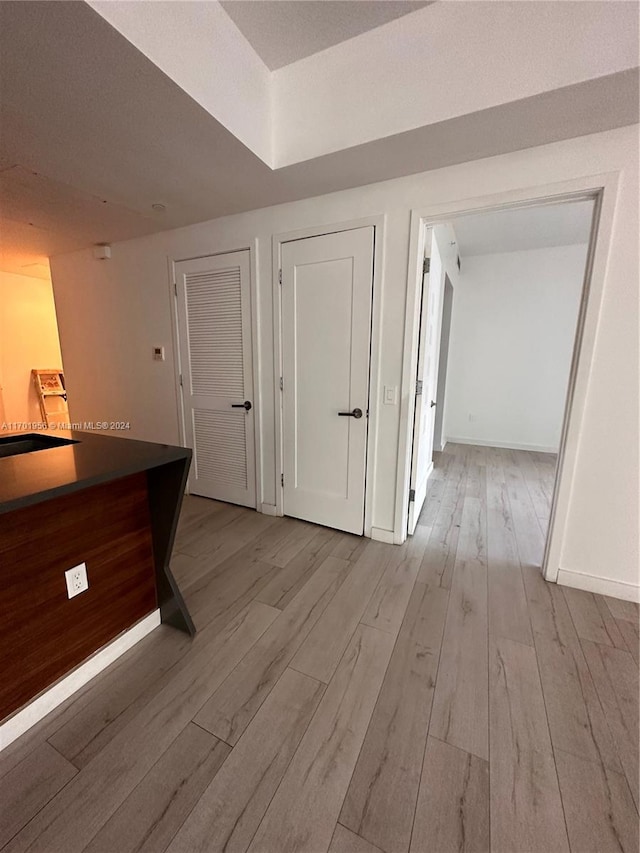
(427, 379)
(214, 325)
(326, 335)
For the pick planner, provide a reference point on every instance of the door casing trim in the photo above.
(378, 222)
(603, 189)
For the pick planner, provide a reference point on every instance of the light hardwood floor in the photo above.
(352, 696)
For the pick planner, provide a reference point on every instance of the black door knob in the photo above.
(356, 413)
(246, 405)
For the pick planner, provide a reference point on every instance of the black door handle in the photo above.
(246, 405)
(356, 413)
(433, 403)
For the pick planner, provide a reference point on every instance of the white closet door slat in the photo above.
(214, 324)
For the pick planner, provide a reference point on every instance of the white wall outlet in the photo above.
(390, 395)
(158, 353)
(472, 417)
(77, 580)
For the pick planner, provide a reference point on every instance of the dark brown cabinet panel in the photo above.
(43, 633)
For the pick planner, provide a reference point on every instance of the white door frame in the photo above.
(255, 349)
(603, 189)
(378, 223)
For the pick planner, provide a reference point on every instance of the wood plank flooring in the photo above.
(350, 696)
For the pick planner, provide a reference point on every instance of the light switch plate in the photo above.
(390, 395)
(158, 353)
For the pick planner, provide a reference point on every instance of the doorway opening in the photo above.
(496, 367)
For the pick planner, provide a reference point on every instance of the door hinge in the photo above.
(175, 288)
(412, 495)
(280, 276)
(418, 387)
(426, 266)
(281, 384)
(181, 380)
(282, 479)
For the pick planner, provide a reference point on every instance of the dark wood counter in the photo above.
(111, 503)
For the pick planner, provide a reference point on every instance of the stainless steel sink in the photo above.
(13, 445)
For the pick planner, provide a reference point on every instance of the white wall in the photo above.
(28, 340)
(512, 333)
(112, 312)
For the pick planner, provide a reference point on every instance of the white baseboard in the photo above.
(382, 535)
(603, 586)
(268, 509)
(507, 445)
(61, 690)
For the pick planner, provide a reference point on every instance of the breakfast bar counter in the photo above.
(73, 499)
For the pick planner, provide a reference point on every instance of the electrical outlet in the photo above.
(77, 580)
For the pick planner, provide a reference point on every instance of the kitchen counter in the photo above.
(93, 458)
(111, 503)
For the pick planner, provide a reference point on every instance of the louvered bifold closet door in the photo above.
(214, 325)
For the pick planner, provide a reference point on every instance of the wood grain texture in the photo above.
(72, 818)
(241, 531)
(238, 577)
(382, 794)
(598, 807)
(150, 817)
(508, 614)
(298, 570)
(529, 535)
(460, 707)
(588, 618)
(233, 805)
(320, 653)
(201, 524)
(453, 807)
(125, 692)
(52, 632)
(304, 811)
(345, 841)
(526, 809)
(440, 553)
(616, 680)
(576, 720)
(29, 786)
(620, 609)
(630, 632)
(612, 625)
(233, 705)
(388, 603)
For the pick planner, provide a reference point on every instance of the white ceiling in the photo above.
(284, 31)
(94, 133)
(524, 228)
